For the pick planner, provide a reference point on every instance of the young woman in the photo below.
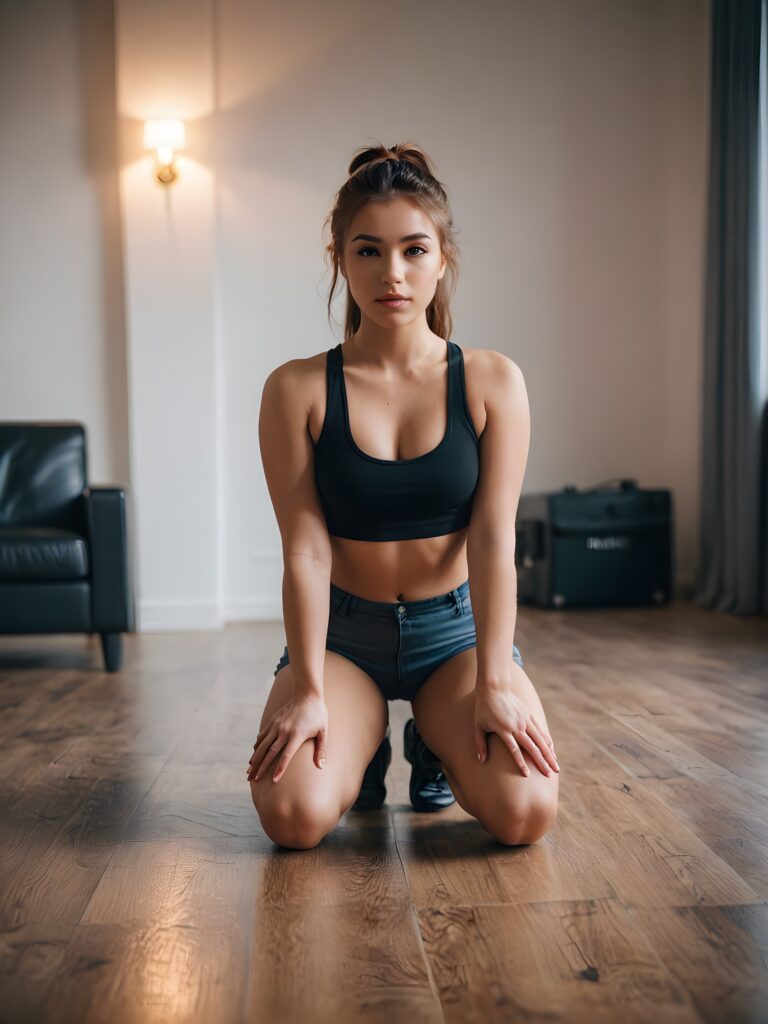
(394, 463)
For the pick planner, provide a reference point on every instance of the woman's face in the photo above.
(392, 247)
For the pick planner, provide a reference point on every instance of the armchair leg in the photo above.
(112, 646)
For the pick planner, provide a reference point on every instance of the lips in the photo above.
(393, 303)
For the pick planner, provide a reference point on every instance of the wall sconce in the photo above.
(164, 137)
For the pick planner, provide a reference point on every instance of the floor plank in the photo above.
(579, 961)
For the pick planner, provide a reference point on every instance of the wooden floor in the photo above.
(136, 883)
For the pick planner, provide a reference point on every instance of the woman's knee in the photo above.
(298, 822)
(518, 822)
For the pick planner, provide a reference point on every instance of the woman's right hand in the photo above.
(300, 719)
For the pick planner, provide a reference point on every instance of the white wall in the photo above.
(572, 137)
(573, 141)
(164, 68)
(62, 334)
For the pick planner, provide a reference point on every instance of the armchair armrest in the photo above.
(109, 533)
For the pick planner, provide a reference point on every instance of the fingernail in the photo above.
(322, 762)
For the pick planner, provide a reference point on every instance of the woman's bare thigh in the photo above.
(358, 716)
(496, 792)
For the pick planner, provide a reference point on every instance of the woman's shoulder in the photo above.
(488, 374)
(301, 369)
(487, 363)
(302, 382)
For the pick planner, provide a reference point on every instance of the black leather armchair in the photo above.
(65, 547)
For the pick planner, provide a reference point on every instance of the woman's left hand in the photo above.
(498, 710)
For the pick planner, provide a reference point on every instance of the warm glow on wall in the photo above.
(164, 137)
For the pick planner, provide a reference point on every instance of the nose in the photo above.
(394, 275)
(393, 272)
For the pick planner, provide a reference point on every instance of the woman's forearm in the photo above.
(493, 591)
(306, 607)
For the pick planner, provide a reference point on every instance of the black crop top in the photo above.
(366, 498)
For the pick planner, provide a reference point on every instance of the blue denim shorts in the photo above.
(400, 645)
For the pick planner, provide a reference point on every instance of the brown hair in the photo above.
(383, 174)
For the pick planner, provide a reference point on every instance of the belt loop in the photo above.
(457, 601)
(344, 604)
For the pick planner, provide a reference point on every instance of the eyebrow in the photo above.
(406, 238)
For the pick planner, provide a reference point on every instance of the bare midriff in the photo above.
(400, 570)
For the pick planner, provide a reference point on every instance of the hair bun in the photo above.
(406, 152)
(410, 153)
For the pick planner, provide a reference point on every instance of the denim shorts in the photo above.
(400, 645)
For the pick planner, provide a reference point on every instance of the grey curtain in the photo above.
(732, 568)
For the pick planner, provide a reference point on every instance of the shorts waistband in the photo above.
(454, 597)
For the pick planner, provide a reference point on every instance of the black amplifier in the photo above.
(608, 546)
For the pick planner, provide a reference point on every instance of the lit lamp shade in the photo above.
(164, 135)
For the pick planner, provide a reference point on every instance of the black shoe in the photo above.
(373, 792)
(429, 789)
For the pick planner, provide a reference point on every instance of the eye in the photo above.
(370, 248)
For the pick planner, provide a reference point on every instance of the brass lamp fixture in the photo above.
(164, 137)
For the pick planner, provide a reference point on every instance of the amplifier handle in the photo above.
(606, 485)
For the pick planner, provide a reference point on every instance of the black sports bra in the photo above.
(366, 498)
